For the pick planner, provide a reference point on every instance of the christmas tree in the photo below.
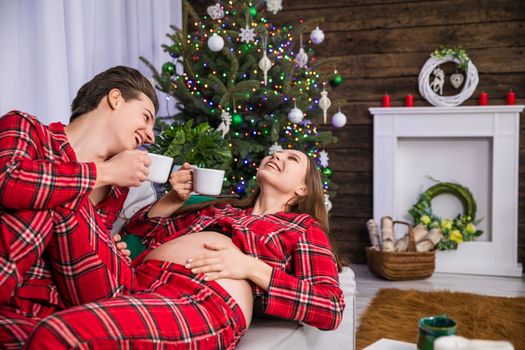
(254, 82)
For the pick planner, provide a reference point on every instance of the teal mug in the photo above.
(434, 327)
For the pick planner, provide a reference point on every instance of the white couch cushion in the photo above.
(280, 335)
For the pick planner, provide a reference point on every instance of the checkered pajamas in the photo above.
(173, 309)
(304, 285)
(44, 214)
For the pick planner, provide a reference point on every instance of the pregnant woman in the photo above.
(195, 285)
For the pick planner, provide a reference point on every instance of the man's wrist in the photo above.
(103, 178)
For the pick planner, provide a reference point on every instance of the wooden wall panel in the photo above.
(382, 45)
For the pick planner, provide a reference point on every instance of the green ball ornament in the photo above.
(175, 50)
(245, 48)
(236, 120)
(253, 11)
(336, 80)
(328, 172)
(168, 68)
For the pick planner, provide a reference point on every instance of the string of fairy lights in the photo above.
(280, 47)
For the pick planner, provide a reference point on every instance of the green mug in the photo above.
(434, 327)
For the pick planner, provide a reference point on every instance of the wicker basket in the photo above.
(398, 266)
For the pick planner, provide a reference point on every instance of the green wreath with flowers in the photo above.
(462, 228)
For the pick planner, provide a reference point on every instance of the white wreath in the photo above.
(471, 82)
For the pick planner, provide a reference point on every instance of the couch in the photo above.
(268, 334)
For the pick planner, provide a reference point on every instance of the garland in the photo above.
(462, 228)
(457, 53)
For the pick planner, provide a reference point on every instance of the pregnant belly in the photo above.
(188, 246)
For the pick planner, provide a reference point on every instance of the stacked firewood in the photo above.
(425, 239)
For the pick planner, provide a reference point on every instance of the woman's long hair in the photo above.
(311, 203)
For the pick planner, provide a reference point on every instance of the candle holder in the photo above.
(511, 97)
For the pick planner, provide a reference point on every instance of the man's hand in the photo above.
(126, 169)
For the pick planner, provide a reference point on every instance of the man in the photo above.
(62, 185)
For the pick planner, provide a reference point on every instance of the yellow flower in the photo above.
(470, 228)
(446, 224)
(456, 236)
(425, 219)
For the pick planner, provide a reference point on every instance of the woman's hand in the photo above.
(181, 182)
(223, 261)
(121, 246)
(182, 185)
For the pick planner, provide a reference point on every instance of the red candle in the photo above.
(511, 97)
(483, 99)
(409, 101)
(386, 100)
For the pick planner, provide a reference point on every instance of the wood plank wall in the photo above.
(383, 45)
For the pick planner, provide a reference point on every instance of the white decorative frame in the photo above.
(499, 124)
(471, 82)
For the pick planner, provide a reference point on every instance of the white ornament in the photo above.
(224, 126)
(274, 148)
(323, 158)
(324, 103)
(247, 34)
(215, 43)
(301, 58)
(471, 82)
(439, 80)
(456, 80)
(295, 115)
(274, 6)
(265, 64)
(317, 36)
(327, 203)
(339, 120)
(215, 11)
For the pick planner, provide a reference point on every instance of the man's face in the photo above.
(133, 122)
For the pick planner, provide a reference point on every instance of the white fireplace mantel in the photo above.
(476, 146)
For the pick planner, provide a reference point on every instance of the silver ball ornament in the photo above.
(339, 120)
(295, 115)
(215, 43)
(317, 36)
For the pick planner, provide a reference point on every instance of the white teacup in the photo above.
(208, 181)
(160, 168)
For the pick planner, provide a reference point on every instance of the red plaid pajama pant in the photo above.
(173, 309)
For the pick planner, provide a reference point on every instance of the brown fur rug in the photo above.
(394, 314)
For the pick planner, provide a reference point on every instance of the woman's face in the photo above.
(285, 171)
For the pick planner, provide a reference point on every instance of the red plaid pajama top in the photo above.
(304, 284)
(44, 204)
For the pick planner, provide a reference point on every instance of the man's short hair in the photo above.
(128, 80)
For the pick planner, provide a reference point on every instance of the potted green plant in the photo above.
(199, 145)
